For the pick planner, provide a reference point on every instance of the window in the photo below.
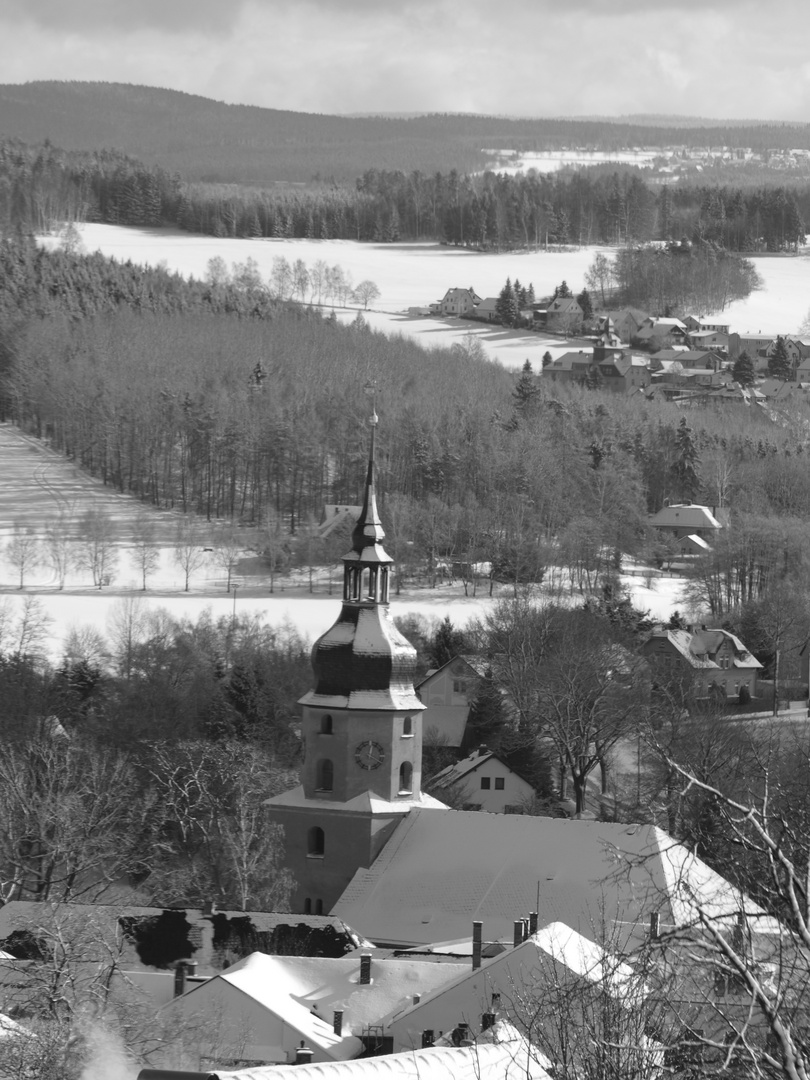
(315, 842)
(324, 775)
(499, 783)
(405, 778)
(326, 725)
(407, 726)
(485, 784)
(459, 686)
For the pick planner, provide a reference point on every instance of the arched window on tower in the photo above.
(326, 725)
(324, 775)
(407, 726)
(405, 778)
(315, 842)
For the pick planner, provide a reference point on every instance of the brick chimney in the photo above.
(655, 926)
(337, 1021)
(532, 922)
(303, 1055)
(517, 936)
(477, 944)
(365, 969)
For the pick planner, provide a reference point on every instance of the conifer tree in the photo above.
(779, 366)
(743, 370)
(687, 463)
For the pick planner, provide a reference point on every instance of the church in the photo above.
(366, 844)
(361, 728)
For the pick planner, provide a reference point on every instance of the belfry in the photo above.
(361, 728)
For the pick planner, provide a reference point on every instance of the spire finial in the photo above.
(369, 530)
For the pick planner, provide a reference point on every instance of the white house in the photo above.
(448, 692)
(485, 782)
(262, 1008)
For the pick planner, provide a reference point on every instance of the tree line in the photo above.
(41, 187)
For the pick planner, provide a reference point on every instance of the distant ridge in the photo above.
(210, 140)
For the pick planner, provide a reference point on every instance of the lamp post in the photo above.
(234, 587)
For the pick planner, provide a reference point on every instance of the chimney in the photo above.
(655, 926)
(416, 998)
(532, 922)
(209, 908)
(427, 1038)
(477, 944)
(337, 1021)
(303, 1055)
(487, 1020)
(191, 967)
(365, 969)
(180, 979)
(517, 935)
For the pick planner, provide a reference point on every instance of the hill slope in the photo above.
(209, 140)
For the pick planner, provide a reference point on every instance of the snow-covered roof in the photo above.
(367, 802)
(698, 647)
(553, 947)
(457, 771)
(439, 872)
(693, 538)
(511, 1059)
(304, 992)
(10, 1028)
(685, 515)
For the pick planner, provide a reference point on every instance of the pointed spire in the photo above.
(368, 530)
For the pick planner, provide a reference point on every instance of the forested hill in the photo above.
(209, 140)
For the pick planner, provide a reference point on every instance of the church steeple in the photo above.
(363, 662)
(361, 726)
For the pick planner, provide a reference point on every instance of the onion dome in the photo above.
(363, 661)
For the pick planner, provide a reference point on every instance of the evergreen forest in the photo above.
(42, 187)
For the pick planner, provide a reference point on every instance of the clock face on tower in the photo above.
(369, 755)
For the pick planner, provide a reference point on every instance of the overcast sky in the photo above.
(718, 58)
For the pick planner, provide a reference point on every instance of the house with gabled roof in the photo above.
(716, 658)
(487, 310)
(553, 958)
(625, 321)
(267, 1004)
(564, 315)
(485, 782)
(459, 301)
(447, 693)
(661, 330)
(709, 339)
(687, 519)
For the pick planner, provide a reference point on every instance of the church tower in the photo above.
(361, 728)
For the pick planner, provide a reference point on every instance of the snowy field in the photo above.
(36, 484)
(548, 161)
(411, 275)
(407, 275)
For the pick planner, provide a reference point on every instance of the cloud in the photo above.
(95, 18)
(528, 57)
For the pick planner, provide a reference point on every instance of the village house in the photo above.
(688, 519)
(487, 310)
(607, 368)
(661, 331)
(756, 345)
(485, 782)
(695, 323)
(626, 322)
(717, 658)
(262, 1008)
(447, 693)
(564, 315)
(709, 339)
(459, 301)
(687, 358)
